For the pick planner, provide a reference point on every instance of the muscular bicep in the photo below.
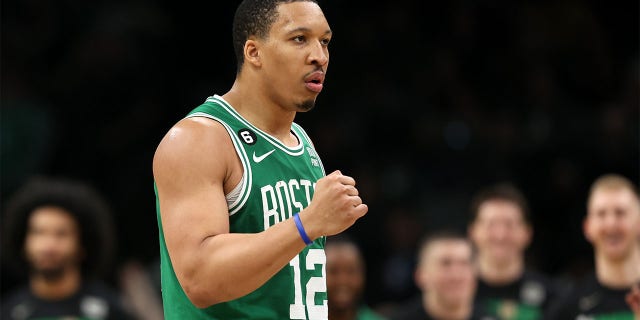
(189, 170)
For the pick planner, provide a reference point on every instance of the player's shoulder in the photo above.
(575, 293)
(194, 134)
(13, 300)
(16, 296)
(195, 142)
(197, 127)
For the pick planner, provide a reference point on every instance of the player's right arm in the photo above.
(191, 166)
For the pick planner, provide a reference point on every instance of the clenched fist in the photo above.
(335, 206)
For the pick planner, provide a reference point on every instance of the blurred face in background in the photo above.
(500, 232)
(345, 276)
(52, 242)
(446, 274)
(612, 224)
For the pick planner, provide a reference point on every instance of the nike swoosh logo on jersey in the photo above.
(258, 159)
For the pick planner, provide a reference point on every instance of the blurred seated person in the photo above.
(60, 233)
(446, 278)
(500, 229)
(345, 280)
(612, 226)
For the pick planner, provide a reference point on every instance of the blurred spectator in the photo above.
(500, 229)
(346, 280)
(446, 278)
(612, 226)
(61, 233)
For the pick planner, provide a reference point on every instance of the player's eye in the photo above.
(299, 39)
(325, 42)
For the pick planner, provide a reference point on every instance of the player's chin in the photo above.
(616, 253)
(48, 271)
(306, 105)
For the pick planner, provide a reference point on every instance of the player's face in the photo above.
(345, 276)
(295, 55)
(52, 241)
(500, 232)
(446, 271)
(613, 222)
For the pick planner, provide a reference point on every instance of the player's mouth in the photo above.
(613, 239)
(314, 81)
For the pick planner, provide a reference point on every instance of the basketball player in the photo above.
(501, 231)
(446, 277)
(345, 280)
(612, 226)
(243, 200)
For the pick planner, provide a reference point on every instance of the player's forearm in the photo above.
(233, 265)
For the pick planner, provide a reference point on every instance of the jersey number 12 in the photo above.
(315, 284)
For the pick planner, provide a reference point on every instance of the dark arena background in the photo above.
(425, 102)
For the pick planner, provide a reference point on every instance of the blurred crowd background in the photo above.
(425, 102)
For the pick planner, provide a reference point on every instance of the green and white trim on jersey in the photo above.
(246, 181)
(244, 158)
(294, 151)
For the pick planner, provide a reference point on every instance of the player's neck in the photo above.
(500, 272)
(620, 273)
(54, 289)
(342, 313)
(450, 312)
(262, 112)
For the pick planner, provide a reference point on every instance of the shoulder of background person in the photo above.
(15, 297)
(411, 309)
(366, 313)
(565, 305)
(100, 289)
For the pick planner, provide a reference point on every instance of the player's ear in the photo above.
(252, 52)
(419, 278)
(586, 229)
(472, 231)
(528, 234)
(423, 279)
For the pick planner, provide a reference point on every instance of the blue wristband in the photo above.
(303, 234)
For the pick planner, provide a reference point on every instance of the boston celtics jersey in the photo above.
(591, 300)
(526, 298)
(278, 182)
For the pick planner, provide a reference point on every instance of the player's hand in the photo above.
(335, 206)
(633, 300)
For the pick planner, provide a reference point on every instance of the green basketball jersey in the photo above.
(278, 182)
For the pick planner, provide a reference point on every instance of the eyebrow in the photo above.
(307, 30)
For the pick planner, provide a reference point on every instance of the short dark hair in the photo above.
(441, 235)
(341, 239)
(81, 201)
(345, 240)
(254, 18)
(505, 191)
